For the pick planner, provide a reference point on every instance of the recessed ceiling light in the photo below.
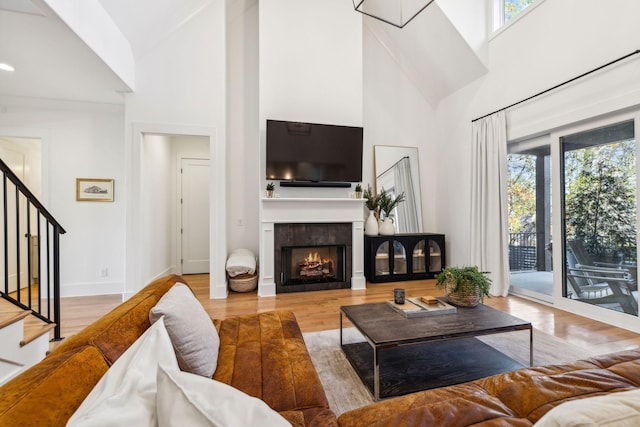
(6, 67)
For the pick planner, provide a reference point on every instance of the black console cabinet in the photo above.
(403, 257)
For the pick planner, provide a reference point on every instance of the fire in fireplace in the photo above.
(313, 264)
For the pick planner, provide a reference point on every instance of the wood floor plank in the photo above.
(319, 310)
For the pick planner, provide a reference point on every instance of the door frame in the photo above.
(134, 252)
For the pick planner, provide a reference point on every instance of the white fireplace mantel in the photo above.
(309, 210)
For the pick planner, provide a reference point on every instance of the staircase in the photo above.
(30, 272)
(24, 338)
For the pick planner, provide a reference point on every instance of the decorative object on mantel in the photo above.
(358, 190)
(397, 13)
(373, 204)
(387, 204)
(465, 286)
(270, 188)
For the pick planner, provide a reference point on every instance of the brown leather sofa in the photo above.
(518, 398)
(263, 355)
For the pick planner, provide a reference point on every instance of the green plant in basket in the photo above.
(466, 286)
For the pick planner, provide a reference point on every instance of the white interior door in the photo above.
(195, 215)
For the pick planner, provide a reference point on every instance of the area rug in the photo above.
(345, 391)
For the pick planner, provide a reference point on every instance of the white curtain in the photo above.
(489, 238)
(407, 212)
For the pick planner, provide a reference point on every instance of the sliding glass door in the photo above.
(529, 213)
(598, 179)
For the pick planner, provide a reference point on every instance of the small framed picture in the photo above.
(94, 190)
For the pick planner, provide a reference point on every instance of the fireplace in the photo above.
(311, 257)
(276, 212)
(312, 264)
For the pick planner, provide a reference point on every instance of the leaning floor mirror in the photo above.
(396, 170)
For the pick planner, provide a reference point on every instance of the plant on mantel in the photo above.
(270, 187)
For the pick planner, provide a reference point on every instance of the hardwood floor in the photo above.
(319, 310)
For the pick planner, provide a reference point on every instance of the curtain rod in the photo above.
(392, 166)
(561, 84)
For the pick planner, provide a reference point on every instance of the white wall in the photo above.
(78, 141)
(524, 59)
(157, 200)
(180, 89)
(243, 143)
(310, 70)
(395, 113)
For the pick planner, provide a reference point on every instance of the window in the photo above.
(514, 7)
(506, 10)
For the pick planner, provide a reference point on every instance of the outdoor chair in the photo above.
(577, 255)
(602, 286)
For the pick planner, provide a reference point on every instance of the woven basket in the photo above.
(464, 296)
(243, 282)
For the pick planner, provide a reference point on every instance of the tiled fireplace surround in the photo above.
(309, 211)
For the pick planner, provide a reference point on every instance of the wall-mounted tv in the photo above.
(310, 154)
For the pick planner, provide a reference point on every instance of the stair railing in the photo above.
(23, 216)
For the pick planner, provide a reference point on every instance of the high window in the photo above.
(507, 10)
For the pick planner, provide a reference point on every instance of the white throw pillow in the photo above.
(193, 334)
(126, 394)
(620, 409)
(190, 400)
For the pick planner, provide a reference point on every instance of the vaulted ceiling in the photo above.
(51, 61)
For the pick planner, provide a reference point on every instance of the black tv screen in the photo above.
(310, 152)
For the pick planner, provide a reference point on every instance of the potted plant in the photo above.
(387, 204)
(372, 202)
(358, 190)
(270, 188)
(465, 286)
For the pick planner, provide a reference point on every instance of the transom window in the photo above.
(506, 10)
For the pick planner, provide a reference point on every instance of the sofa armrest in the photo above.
(49, 392)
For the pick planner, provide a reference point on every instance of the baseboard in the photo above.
(91, 289)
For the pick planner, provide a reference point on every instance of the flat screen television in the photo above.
(310, 154)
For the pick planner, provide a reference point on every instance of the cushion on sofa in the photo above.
(126, 394)
(117, 330)
(194, 337)
(620, 409)
(264, 355)
(192, 400)
(49, 392)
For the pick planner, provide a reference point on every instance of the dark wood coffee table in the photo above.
(401, 355)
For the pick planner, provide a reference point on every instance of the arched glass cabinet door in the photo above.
(399, 258)
(382, 260)
(435, 256)
(419, 257)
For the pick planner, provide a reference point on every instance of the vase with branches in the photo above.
(387, 204)
(372, 202)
